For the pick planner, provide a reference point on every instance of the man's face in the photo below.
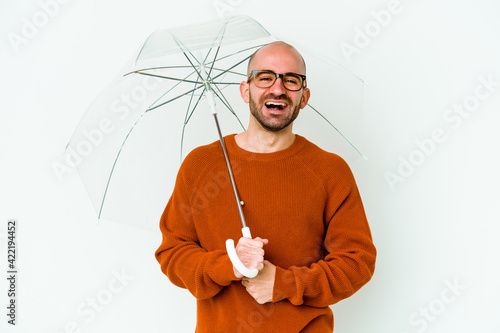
(275, 108)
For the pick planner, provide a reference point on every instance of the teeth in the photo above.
(276, 104)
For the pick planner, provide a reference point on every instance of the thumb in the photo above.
(265, 241)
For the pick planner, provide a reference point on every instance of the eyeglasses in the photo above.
(265, 79)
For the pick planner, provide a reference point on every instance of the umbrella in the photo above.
(130, 142)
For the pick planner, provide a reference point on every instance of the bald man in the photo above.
(314, 246)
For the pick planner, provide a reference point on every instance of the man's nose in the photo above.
(277, 88)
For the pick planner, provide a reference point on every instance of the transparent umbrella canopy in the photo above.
(130, 143)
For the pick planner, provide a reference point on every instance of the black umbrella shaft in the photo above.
(226, 156)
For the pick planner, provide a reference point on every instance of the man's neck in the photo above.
(264, 141)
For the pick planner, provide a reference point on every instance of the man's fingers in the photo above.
(250, 246)
(264, 241)
(252, 263)
(261, 287)
(251, 253)
(256, 242)
(260, 266)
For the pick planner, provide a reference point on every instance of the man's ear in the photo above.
(244, 91)
(305, 98)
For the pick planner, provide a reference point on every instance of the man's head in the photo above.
(275, 107)
(274, 44)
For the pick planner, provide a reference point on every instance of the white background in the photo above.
(436, 228)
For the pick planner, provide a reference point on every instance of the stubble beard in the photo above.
(271, 125)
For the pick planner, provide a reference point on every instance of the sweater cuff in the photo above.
(284, 284)
(222, 271)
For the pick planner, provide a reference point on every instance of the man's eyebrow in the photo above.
(270, 70)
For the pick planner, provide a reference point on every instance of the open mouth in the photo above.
(276, 105)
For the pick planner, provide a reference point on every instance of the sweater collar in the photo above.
(233, 148)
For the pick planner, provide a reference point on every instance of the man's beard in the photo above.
(274, 126)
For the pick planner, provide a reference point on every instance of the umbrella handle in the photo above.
(231, 251)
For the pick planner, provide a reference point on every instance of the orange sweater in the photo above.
(303, 199)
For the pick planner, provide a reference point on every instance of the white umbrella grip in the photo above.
(231, 251)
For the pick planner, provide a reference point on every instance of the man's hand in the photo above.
(251, 253)
(261, 287)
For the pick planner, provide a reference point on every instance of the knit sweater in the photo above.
(303, 200)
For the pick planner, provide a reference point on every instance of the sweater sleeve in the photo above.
(188, 265)
(349, 262)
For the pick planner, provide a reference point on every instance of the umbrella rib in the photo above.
(199, 75)
(225, 102)
(345, 138)
(184, 125)
(114, 164)
(178, 83)
(142, 49)
(166, 77)
(187, 118)
(196, 105)
(208, 53)
(227, 105)
(150, 108)
(240, 51)
(213, 62)
(123, 144)
(172, 99)
(223, 98)
(184, 49)
(182, 80)
(160, 67)
(194, 67)
(230, 72)
(229, 69)
(169, 67)
(219, 36)
(225, 71)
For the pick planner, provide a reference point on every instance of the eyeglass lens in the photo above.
(265, 79)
